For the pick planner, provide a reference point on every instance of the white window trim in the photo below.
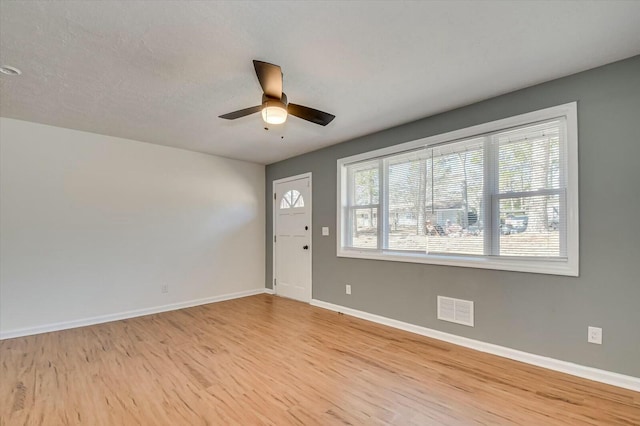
(568, 266)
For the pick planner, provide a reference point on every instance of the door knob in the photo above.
(305, 247)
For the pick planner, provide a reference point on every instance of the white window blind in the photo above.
(497, 197)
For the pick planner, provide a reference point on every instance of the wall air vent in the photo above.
(455, 310)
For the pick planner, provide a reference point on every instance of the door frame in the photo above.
(274, 233)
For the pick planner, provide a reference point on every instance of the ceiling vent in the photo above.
(455, 310)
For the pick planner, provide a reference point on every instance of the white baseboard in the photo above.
(269, 291)
(603, 376)
(124, 315)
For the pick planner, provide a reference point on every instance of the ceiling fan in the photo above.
(275, 107)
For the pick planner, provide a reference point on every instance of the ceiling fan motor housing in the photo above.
(282, 101)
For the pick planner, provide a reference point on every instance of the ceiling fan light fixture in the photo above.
(274, 111)
(275, 107)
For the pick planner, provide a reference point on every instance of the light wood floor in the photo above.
(268, 360)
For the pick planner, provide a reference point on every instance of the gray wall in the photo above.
(541, 314)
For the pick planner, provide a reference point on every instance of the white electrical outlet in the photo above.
(348, 288)
(325, 231)
(595, 335)
(164, 288)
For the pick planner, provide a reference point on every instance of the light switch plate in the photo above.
(595, 335)
(325, 231)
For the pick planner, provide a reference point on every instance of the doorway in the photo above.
(292, 237)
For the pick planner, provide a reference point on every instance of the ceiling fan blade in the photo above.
(270, 78)
(241, 113)
(310, 114)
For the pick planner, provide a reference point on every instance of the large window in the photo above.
(501, 195)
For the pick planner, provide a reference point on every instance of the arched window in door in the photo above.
(291, 199)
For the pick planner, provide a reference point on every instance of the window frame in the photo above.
(568, 158)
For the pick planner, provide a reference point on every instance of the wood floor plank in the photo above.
(264, 360)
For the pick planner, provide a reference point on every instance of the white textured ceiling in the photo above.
(162, 71)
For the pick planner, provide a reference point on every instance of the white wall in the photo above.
(93, 225)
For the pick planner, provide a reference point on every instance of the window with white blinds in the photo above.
(502, 195)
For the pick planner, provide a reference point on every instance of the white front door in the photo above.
(292, 242)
